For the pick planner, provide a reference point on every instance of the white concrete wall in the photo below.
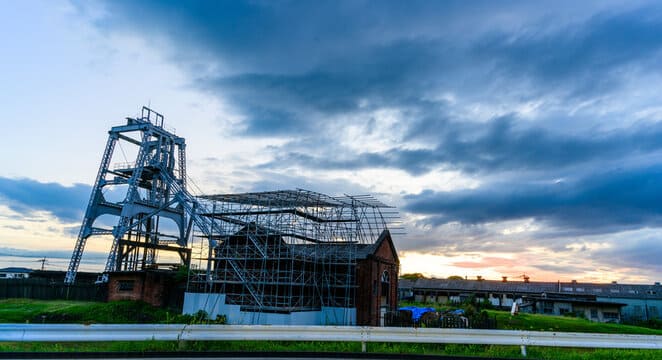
(210, 303)
(214, 304)
(337, 316)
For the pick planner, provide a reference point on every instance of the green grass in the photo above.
(61, 311)
(24, 310)
(36, 311)
(488, 351)
(537, 322)
(131, 312)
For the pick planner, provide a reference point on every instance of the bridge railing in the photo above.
(180, 332)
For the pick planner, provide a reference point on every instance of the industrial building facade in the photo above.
(597, 302)
(296, 257)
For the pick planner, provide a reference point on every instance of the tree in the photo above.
(455, 277)
(412, 276)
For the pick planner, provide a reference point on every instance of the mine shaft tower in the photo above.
(153, 211)
(278, 252)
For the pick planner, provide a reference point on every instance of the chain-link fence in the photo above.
(432, 319)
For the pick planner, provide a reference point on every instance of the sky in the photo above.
(514, 137)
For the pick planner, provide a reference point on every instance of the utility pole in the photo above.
(43, 263)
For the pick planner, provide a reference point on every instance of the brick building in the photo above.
(155, 287)
(377, 283)
(296, 257)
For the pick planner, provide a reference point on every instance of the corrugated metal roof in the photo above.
(600, 290)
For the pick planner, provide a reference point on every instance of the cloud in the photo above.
(501, 145)
(632, 252)
(308, 79)
(14, 227)
(50, 253)
(489, 261)
(294, 103)
(588, 57)
(546, 109)
(608, 201)
(289, 77)
(565, 269)
(67, 203)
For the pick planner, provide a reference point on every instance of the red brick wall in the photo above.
(364, 295)
(369, 273)
(147, 286)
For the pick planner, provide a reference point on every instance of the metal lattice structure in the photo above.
(148, 190)
(287, 251)
(268, 252)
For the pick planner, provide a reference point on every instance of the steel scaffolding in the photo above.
(147, 191)
(280, 251)
(285, 251)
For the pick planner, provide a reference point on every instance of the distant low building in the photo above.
(642, 302)
(15, 273)
(586, 306)
(598, 302)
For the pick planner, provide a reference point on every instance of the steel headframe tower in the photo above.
(151, 189)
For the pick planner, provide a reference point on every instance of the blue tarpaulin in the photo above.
(417, 312)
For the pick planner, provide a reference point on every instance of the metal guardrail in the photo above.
(143, 332)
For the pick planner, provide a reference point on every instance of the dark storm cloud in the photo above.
(499, 146)
(608, 200)
(585, 56)
(289, 68)
(25, 195)
(285, 37)
(392, 75)
(303, 70)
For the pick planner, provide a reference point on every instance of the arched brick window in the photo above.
(386, 285)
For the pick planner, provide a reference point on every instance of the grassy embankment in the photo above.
(35, 311)
(536, 322)
(60, 311)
